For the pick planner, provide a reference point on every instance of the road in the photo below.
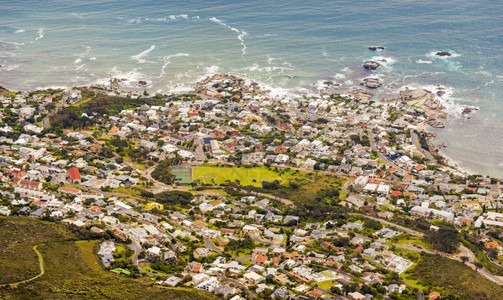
(383, 157)
(402, 228)
(41, 266)
(415, 141)
(45, 122)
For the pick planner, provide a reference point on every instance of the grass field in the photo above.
(448, 276)
(246, 176)
(71, 268)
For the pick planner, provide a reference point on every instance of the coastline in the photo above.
(419, 98)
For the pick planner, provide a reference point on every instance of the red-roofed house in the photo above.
(316, 293)
(74, 175)
(396, 193)
(258, 259)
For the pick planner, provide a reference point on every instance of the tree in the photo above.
(464, 259)
(477, 266)
(445, 239)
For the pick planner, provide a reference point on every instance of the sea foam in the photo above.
(139, 57)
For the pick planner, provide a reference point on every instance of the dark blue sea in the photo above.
(290, 47)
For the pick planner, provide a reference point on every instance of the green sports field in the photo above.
(245, 175)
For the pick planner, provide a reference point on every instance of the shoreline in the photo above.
(437, 110)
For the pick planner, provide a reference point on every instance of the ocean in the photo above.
(289, 47)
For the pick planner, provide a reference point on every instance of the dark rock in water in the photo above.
(440, 93)
(371, 65)
(372, 83)
(142, 82)
(374, 48)
(468, 110)
(443, 53)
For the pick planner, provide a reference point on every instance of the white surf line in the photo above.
(241, 33)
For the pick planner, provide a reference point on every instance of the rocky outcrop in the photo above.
(360, 94)
(371, 65)
(374, 48)
(223, 81)
(427, 101)
(443, 53)
(142, 82)
(372, 83)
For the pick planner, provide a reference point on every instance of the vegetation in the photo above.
(71, 269)
(174, 198)
(445, 239)
(448, 276)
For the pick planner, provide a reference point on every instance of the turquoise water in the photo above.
(289, 46)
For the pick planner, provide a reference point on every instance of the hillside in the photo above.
(71, 269)
(448, 276)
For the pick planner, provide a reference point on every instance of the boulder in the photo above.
(372, 83)
(363, 95)
(469, 109)
(443, 53)
(142, 82)
(374, 48)
(440, 93)
(371, 65)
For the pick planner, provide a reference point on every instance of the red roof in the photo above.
(396, 193)
(74, 173)
(260, 258)
(316, 293)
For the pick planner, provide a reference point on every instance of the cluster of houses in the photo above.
(65, 176)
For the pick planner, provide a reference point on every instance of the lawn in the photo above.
(326, 285)
(413, 240)
(246, 176)
(449, 276)
(71, 268)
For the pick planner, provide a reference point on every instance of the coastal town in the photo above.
(234, 192)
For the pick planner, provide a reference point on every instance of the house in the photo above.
(201, 252)
(356, 296)
(226, 291)
(252, 278)
(258, 259)
(74, 175)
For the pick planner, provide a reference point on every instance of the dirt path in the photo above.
(42, 271)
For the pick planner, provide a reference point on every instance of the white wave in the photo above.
(139, 57)
(171, 17)
(257, 68)
(78, 15)
(20, 31)
(135, 21)
(132, 77)
(9, 68)
(339, 76)
(167, 61)
(77, 60)
(420, 61)
(385, 62)
(80, 67)
(270, 59)
(179, 88)
(92, 58)
(40, 35)
(211, 70)
(11, 43)
(241, 33)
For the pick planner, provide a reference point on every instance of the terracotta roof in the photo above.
(74, 173)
